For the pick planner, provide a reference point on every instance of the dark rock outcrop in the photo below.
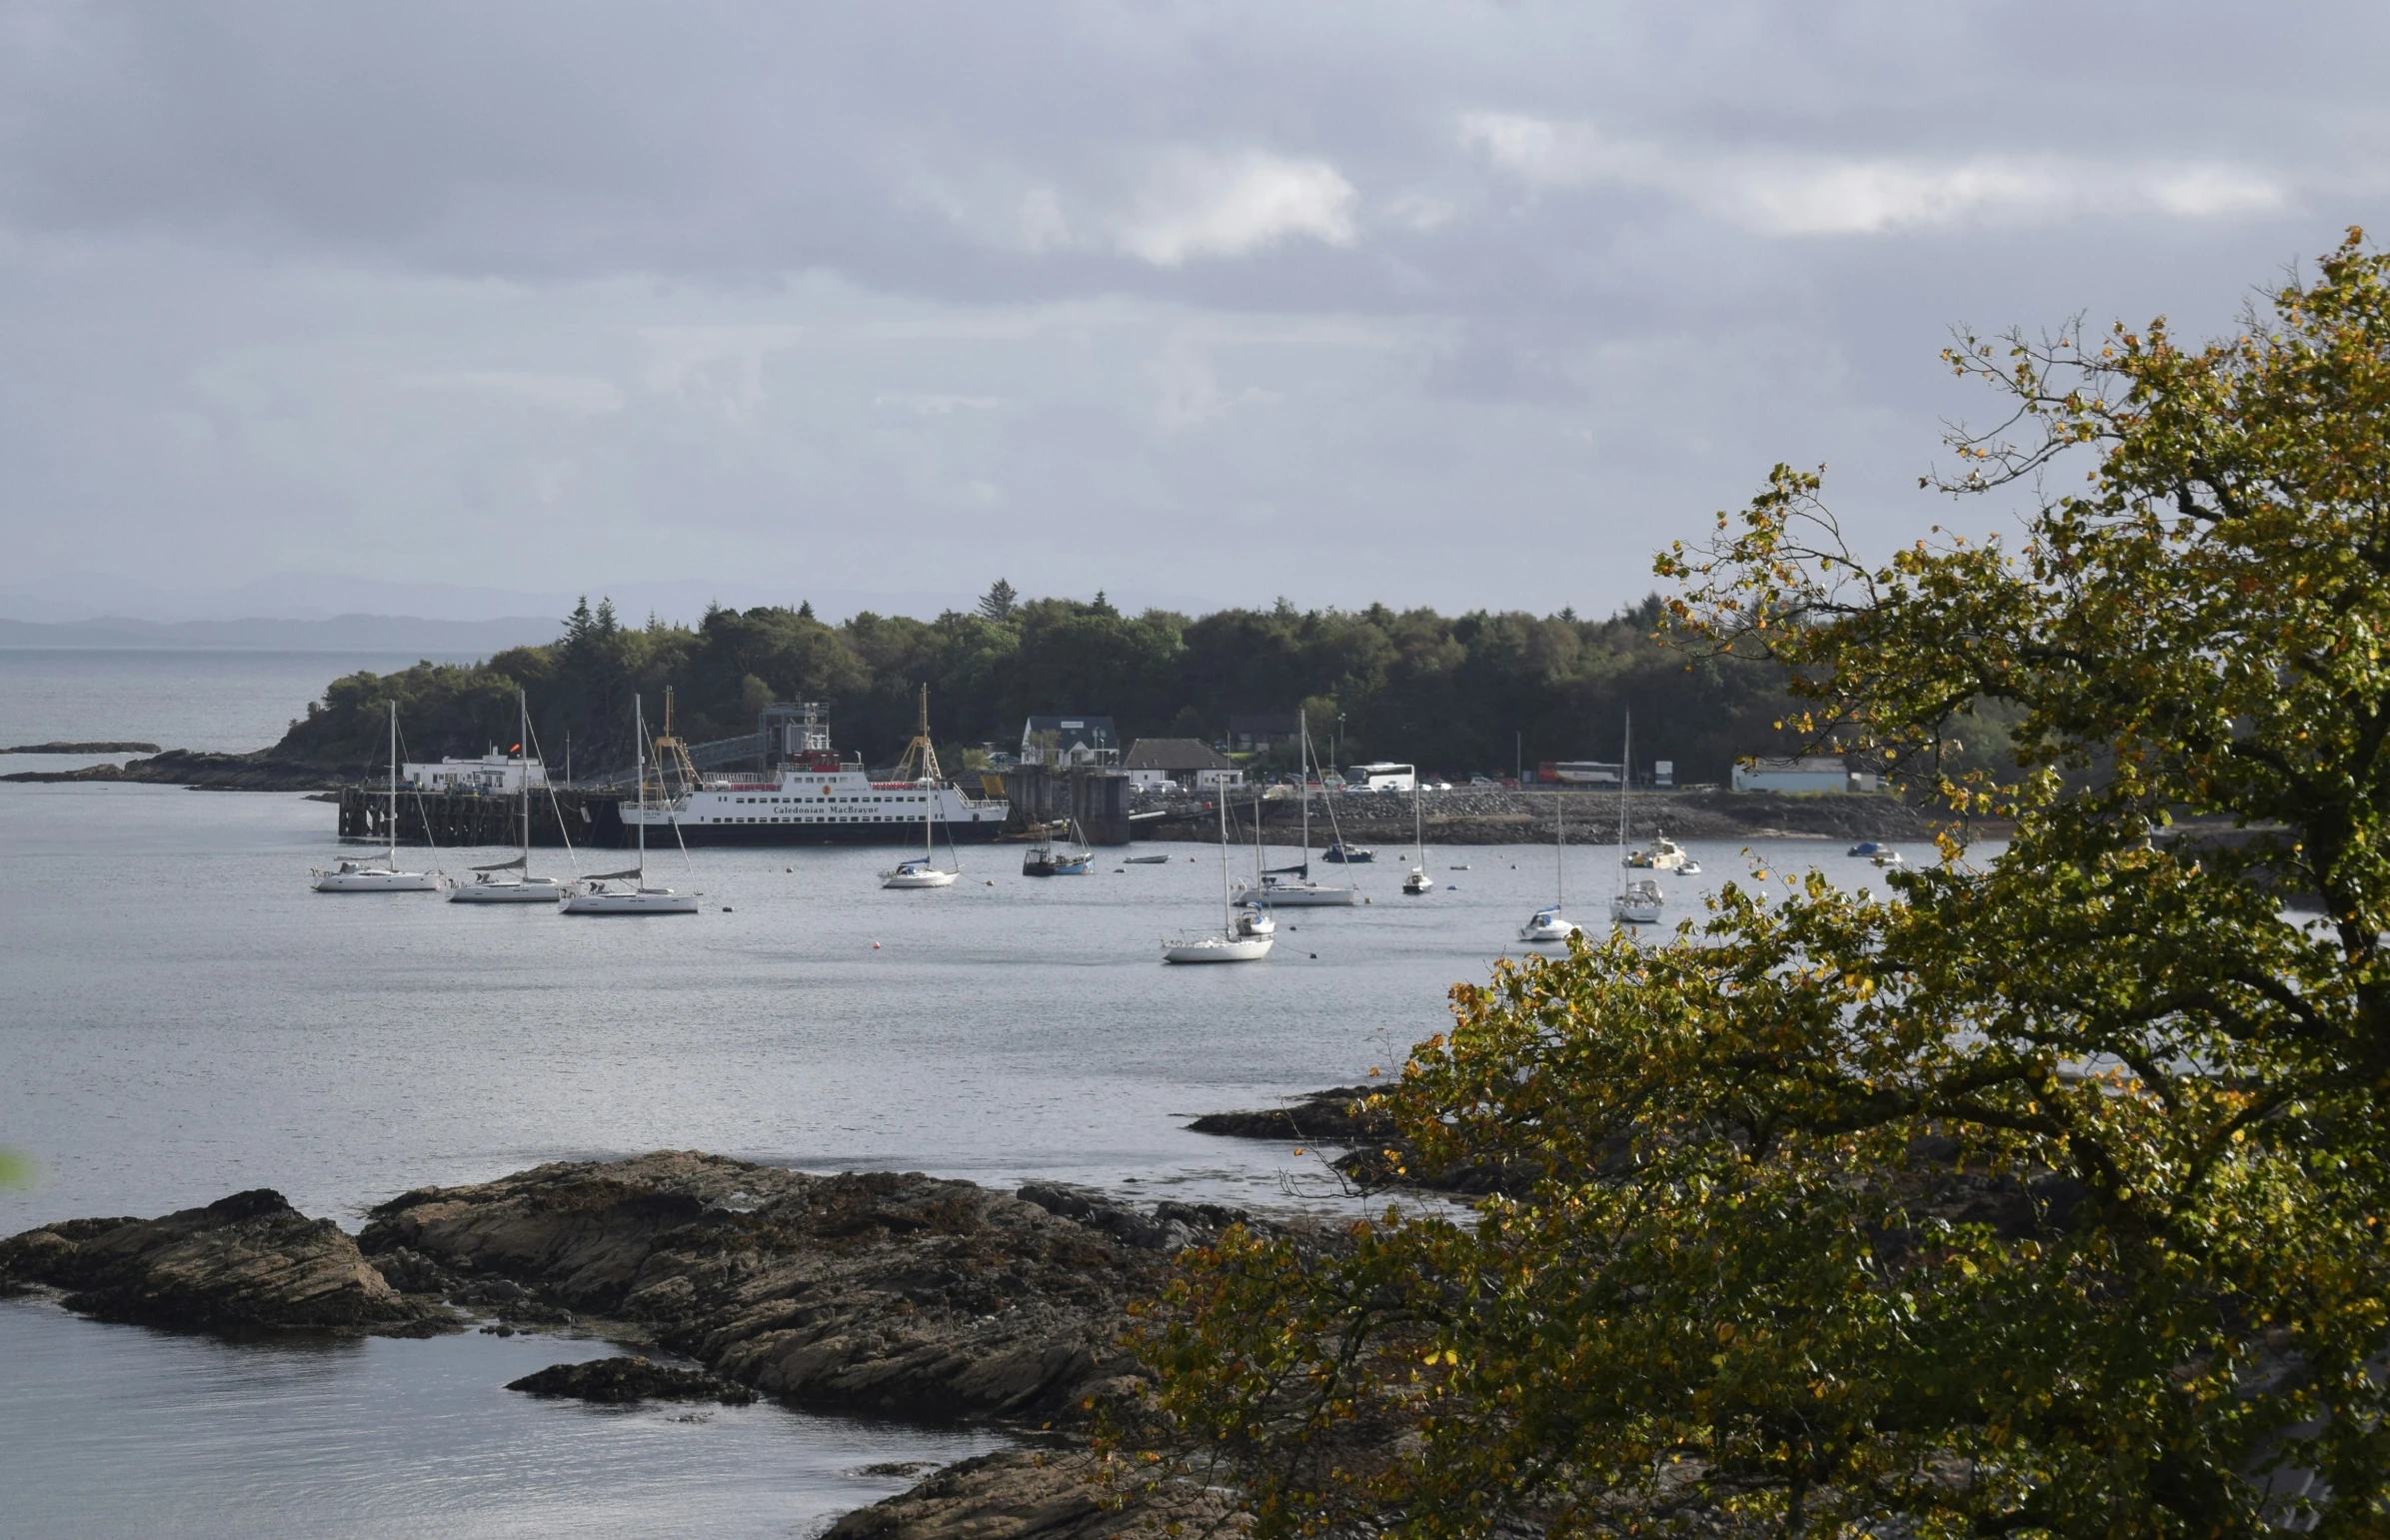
(202, 771)
(1334, 1116)
(249, 1262)
(58, 747)
(1049, 1494)
(896, 1294)
(619, 1381)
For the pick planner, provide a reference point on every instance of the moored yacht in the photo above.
(356, 876)
(922, 870)
(1290, 887)
(1549, 924)
(510, 881)
(627, 892)
(1235, 942)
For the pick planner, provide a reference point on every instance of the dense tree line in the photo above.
(1456, 693)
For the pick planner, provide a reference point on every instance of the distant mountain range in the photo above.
(337, 633)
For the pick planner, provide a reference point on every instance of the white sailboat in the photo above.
(922, 870)
(627, 892)
(1551, 925)
(510, 881)
(1638, 900)
(1418, 881)
(353, 876)
(1273, 889)
(1233, 943)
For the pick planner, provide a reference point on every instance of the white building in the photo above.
(493, 773)
(1811, 773)
(1156, 762)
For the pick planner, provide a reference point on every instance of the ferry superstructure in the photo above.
(817, 797)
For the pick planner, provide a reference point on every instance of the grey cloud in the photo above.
(805, 294)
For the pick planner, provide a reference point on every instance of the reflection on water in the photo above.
(123, 1431)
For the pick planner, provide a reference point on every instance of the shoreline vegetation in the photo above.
(1471, 693)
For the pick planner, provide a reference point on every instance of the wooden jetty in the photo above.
(465, 818)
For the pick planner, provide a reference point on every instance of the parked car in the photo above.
(1482, 780)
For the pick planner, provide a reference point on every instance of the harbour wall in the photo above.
(1097, 798)
(457, 818)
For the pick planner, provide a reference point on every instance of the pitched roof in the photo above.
(1175, 753)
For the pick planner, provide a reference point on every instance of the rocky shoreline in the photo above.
(200, 771)
(890, 1294)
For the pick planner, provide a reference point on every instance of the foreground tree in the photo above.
(2042, 1196)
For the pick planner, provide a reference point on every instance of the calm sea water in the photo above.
(229, 703)
(186, 1018)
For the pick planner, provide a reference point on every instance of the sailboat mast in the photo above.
(1559, 844)
(1627, 759)
(639, 753)
(523, 753)
(1228, 920)
(1303, 772)
(394, 783)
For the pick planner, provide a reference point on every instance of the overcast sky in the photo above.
(1456, 304)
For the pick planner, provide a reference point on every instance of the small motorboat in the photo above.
(1047, 860)
(1665, 854)
(1877, 852)
(1145, 861)
(1347, 854)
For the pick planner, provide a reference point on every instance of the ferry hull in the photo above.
(660, 836)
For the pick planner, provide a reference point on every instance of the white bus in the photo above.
(1383, 777)
(1596, 773)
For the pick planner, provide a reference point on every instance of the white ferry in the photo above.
(815, 797)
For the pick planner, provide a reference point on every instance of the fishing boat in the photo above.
(1288, 887)
(1233, 943)
(510, 881)
(356, 876)
(922, 870)
(1418, 881)
(627, 892)
(1048, 859)
(1665, 854)
(1549, 924)
(1347, 854)
(1638, 900)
